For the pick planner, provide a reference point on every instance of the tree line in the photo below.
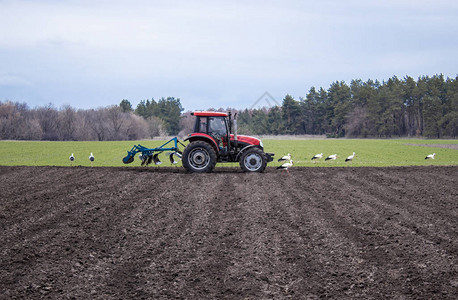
(427, 107)
(115, 122)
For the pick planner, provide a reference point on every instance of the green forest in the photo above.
(426, 107)
(397, 107)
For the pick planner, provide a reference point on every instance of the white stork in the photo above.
(285, 166)
(430, 156)
(285, 158)
(331, 157)
(91, 158)
(350, 158)
(317, 156)
(72, 158)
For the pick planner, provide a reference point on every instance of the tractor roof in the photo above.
(209, 114)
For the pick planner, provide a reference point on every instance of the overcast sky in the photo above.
(90, 54)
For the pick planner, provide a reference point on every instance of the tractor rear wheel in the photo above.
(253, 160)
(199, 157)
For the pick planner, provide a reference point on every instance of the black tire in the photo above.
(253, 160)
(199, 157)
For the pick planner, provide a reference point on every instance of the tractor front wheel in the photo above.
(199, 157)
(253, 160)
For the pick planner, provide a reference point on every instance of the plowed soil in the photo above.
(148, 233)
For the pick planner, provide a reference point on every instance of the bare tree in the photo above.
(115, 119)
(67, 123)
(186, 124)
(48, 117)
(17, 122)
(8, 121)
(155, 127)
(83, 130)
(136, 128)
(97, 122)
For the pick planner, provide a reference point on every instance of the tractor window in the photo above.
(217, 125)
(202, 125)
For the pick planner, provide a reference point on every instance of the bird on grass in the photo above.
(350, 158)
(72, 158)
(91, 158)
(285, 158)
(317, 156)
(331, 157)
(285, 166)
(430, 156)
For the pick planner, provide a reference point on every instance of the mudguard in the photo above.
(203, 137)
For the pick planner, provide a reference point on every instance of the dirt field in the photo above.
(147, 233)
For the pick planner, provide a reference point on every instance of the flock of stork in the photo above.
(91, 158)
(146, 160)
(289, 161)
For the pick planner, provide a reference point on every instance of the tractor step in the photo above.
(270, 156)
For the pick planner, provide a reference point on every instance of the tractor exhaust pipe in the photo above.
(235, 131)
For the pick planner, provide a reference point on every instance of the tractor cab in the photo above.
(215, 126)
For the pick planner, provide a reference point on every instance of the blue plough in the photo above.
(148, 154)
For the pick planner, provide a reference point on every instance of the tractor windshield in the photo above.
(217, 125)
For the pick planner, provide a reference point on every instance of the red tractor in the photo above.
(212, 142)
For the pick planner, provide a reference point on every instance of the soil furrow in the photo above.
(162, 233)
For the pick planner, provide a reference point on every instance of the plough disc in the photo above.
(144, 159)
(150, 159)
(128, 159)
(172, 160)
(156, 159)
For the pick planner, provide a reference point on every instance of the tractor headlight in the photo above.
(260, 144)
